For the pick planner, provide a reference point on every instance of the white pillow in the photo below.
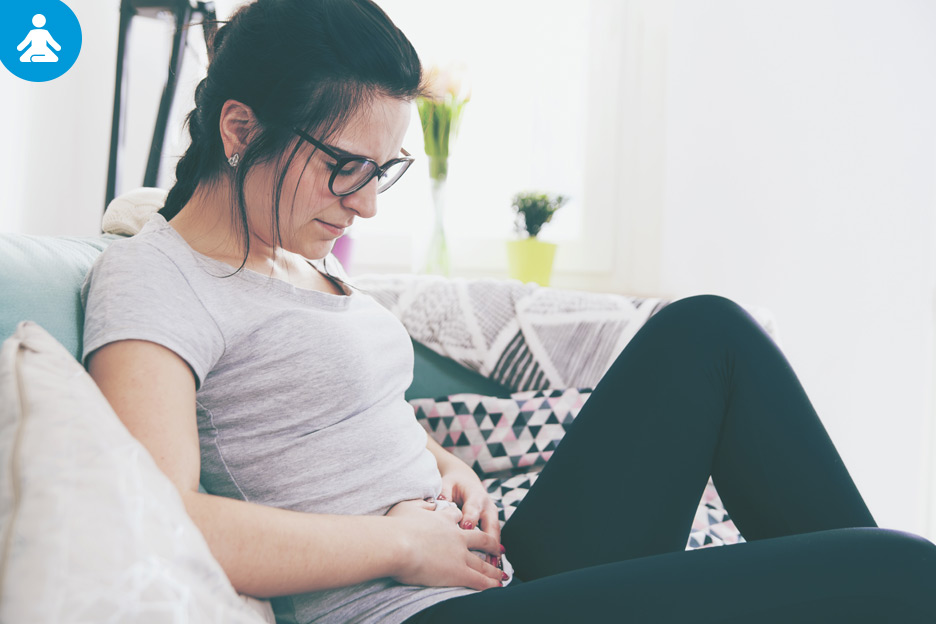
(90, 529)
(127, 214)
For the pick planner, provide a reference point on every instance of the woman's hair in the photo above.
(310, 64)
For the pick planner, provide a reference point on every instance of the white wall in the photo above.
(56, 135)
(800, 153)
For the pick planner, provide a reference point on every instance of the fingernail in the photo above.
(440, 497)
(505, 577)
(466, 524)
(503, 550)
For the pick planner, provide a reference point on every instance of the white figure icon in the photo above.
(39, 39)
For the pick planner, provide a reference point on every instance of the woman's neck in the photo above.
(208, 224)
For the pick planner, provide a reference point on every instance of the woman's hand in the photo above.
(438, 551)
(462, 486)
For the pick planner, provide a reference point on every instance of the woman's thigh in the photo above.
(840, 575)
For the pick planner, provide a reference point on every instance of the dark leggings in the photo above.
(700, 390)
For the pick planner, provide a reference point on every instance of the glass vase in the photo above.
(437, 256)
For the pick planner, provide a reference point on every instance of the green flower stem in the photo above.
(440, 122)
(438, 168)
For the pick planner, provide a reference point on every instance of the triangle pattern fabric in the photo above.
(507, 441)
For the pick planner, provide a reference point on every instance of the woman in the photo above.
(242, 361)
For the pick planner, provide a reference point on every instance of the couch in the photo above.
(498, 376)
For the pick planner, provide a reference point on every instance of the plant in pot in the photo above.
(531, 259)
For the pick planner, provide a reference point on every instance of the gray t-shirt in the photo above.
(300, 394)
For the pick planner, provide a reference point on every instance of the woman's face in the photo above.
(311, 217)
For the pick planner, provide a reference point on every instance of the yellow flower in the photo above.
(451, 81)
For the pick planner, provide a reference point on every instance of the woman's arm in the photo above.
(461, 485)
(267, 551)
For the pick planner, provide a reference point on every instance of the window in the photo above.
(526, 128)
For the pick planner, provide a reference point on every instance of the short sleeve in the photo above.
(134, 291)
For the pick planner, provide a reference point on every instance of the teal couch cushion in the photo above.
(40, 280)
(41, 277)
(436, 376)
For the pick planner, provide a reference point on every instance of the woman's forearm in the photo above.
(267, 551)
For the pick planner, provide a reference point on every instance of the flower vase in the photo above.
(437, 258)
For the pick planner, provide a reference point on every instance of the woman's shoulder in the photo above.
(140, 288)
(154, 247)
(151, 258)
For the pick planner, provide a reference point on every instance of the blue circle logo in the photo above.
(39, 39)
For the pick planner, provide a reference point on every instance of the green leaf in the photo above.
(533, 210)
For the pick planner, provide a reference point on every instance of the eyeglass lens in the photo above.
(356, 173)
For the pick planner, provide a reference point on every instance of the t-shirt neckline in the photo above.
(321, 297)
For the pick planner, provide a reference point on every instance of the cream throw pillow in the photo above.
(90, 529)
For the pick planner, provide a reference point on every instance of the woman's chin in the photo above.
(313, 250)
(324, 248)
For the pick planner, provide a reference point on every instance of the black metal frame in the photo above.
(183, 13)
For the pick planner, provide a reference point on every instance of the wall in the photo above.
(57, 134)
(800, 152)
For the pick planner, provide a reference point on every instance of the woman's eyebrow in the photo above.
(342, 152)
(347, 154)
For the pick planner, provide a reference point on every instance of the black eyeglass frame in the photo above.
(341, 161)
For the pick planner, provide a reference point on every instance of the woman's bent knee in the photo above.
(906, 552)
(899, 567)
(906, 571)
(706, 315)
(705, 305)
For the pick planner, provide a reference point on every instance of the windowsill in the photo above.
(605, 282)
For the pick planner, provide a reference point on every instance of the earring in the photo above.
(233, 160)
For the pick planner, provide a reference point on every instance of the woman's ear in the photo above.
(237, 124)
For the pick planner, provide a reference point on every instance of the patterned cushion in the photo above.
(508, 440)
(499, 437)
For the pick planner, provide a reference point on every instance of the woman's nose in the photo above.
(363, 201)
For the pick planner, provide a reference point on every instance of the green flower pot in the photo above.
(531, 260)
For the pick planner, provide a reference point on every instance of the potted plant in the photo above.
(531, 259)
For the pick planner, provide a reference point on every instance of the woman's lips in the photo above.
(333, 229)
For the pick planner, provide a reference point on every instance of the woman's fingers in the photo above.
(479, 540)
(490, 575)
(471, 510)
(490, 523)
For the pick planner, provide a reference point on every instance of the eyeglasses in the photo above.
(351, 173)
